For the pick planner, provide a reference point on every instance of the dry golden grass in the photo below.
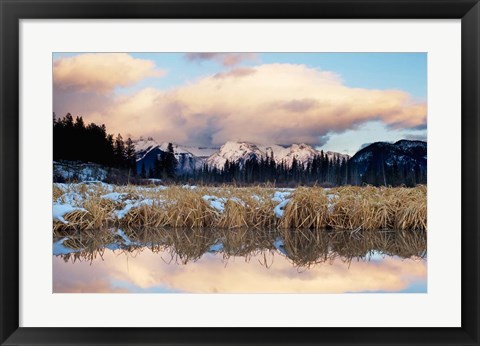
(363, 208)
(57, 192)
(412, 209)
(186, 208)
(308, 208)
(234, 216)
(100, 211)
(246, 207)
(382, 208)
(343, 208)
(77, 220)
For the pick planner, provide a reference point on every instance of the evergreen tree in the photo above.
(119, 151)
(169, 162)
(130, 156)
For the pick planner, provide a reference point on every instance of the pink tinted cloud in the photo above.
(277, 103)
(101, 72)
(236, 73)
(225, 59)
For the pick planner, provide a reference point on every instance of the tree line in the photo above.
(380, 174)
(320, 169)
(73, 140)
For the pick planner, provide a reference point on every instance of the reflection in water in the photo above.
(239, 260)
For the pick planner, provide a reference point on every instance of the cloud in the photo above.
(101, 72)
(278, 103)
(79, 104)
(364, 145)
(299, 105)
(414, 137)
(236, 73)
(225, 59)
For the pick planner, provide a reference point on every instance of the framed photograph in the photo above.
(239, 172)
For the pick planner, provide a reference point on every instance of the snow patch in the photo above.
(189, 187)
(129, 204)
(218, 203)
(215, 202)
(72, 198)
(280, 196)
(115, 196)
(279, 210)
(332, 200)
(60, 210)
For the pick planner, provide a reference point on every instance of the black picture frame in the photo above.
(12, 11)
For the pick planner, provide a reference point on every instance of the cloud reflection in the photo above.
(147, 272)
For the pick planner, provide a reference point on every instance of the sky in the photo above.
(333, 101)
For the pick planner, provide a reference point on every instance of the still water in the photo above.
(239, 261)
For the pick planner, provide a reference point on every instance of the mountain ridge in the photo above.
(190, 158)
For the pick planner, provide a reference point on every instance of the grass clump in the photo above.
(186, 208)
(307, 208)
(77, 220)
(382, 208)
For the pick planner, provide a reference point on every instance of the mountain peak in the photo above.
(234, 151)
(142, 145)
(238, 145)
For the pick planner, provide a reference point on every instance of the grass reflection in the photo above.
(302, 247)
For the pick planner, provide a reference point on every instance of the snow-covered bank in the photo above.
(74, 171)
(196, 206)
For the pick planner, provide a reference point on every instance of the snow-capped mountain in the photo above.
(143, 146)
(242, 151)
(235, 152)
(189, 158)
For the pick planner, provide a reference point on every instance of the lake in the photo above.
(239, 261)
